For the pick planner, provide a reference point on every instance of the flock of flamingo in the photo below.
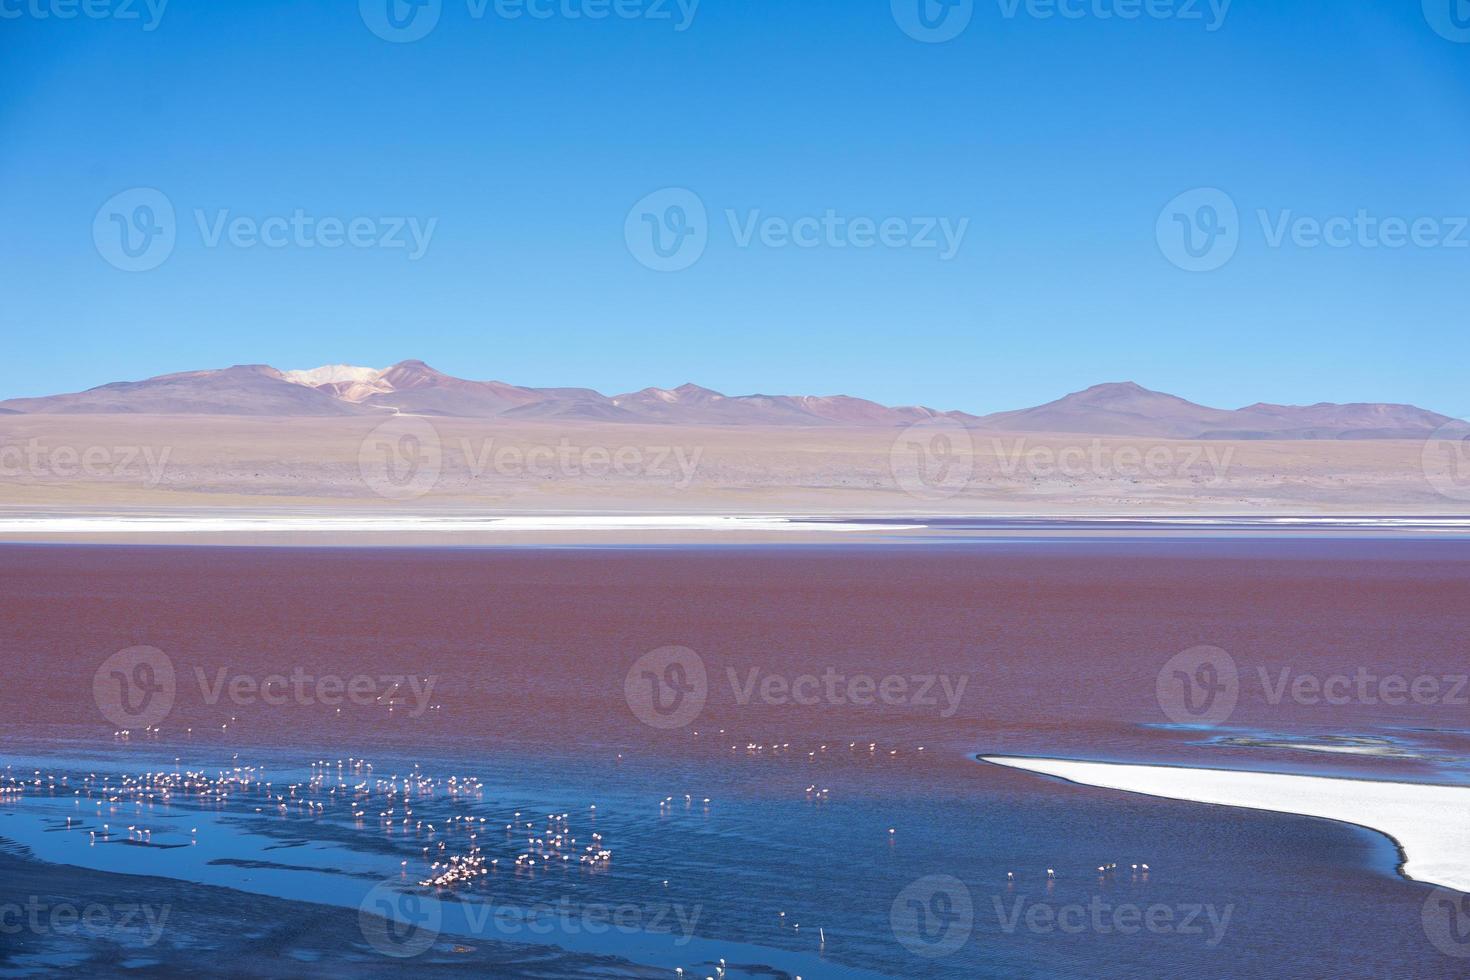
(408, 806)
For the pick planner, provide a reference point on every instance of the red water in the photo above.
(1060, 645)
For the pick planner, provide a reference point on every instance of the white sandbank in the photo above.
(224, 523)
(1430, 823)
(62, 523)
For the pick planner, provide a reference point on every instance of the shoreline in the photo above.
(480, 527)
(1427, 822)
(189, 927)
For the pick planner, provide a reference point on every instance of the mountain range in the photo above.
(414, 388)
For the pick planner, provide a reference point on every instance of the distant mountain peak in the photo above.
(415, 366)
(666, 395)
(1119, 389)
(1107, 386)
(413, 374)
(691, 390)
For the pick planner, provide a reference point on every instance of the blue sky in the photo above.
(1054, 142)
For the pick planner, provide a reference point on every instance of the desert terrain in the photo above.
(180, 461)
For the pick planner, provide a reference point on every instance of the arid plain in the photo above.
(141, 461)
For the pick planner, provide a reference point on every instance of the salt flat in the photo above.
(1430, 823)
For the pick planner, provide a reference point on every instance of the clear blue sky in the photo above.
(1059, 139)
